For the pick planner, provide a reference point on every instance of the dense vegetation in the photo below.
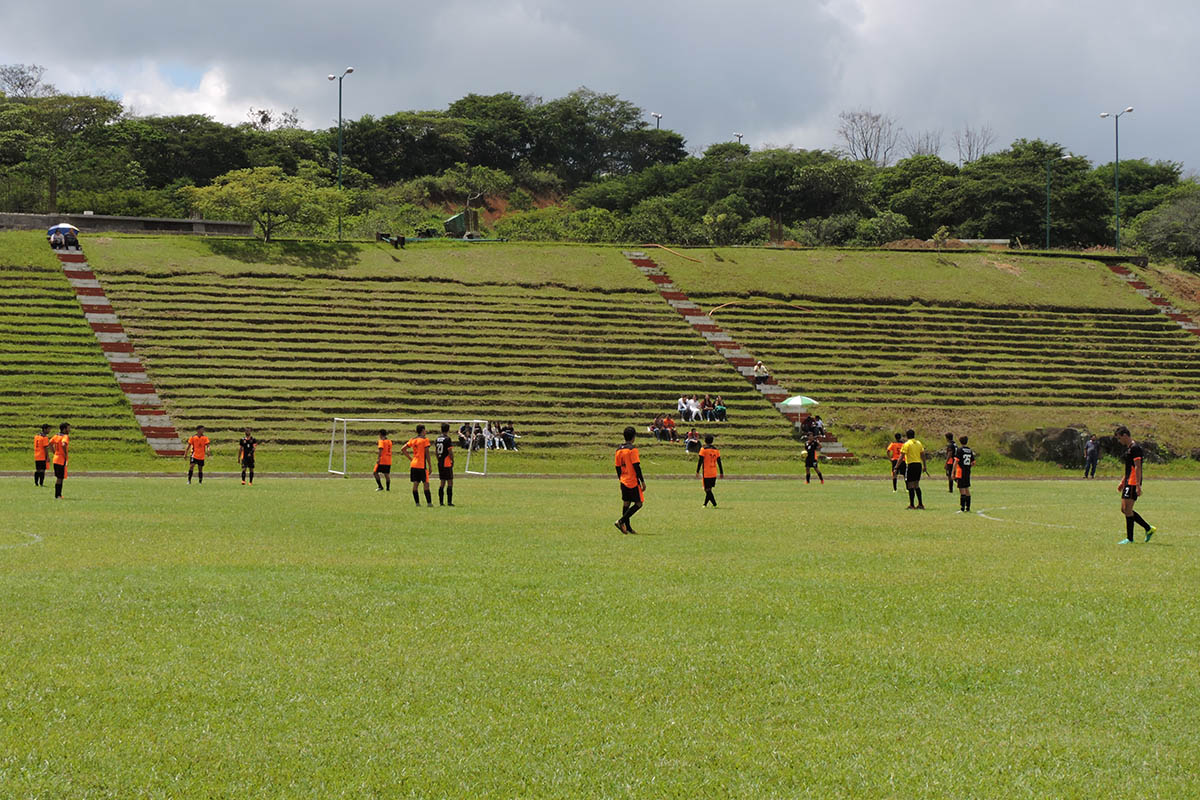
(584, 167)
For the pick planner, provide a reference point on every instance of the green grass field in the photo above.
(314, 638)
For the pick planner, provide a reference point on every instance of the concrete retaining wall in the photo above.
(103, 223)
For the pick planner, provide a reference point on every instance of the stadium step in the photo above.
(738, 357)
(1164, 305)
(128, 370)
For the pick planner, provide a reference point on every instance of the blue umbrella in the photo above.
(62, 227)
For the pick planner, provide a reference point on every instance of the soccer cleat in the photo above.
(620, 526)
(450, 504)
(921, 507)
(629, 529)
(379, 488)
(1150, 532)
(1125, 541)
(911, 508)
(960, 511)
(243, 483)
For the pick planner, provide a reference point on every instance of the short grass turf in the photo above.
(314, 638)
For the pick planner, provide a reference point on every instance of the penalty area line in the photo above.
(33, 539)
(983, 513)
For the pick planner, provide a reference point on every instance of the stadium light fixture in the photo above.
(1117, 164)
(657, 119)
(339, 79)
(739, 137)
(1049, 162)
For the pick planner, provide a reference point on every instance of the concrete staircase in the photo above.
(1164, 305)
(737, 356)
(128, 369)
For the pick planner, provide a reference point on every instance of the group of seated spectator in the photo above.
(708, 410)
(60, 239)
(493, 436)
(812, 424)
(662, 428)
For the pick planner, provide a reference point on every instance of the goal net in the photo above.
(356, 438)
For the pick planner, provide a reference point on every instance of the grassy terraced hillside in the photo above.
(569, 343)
(1055, 348)
(52, 369)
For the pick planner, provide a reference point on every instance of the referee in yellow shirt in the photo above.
(913, 453)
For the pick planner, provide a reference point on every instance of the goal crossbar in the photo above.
(344, 422)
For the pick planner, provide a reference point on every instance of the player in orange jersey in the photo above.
(40, 442)
(59, 445)
(197, 449)
(418, 468)
(383, 464)
(893, 451)
(710, 463)
(633, 485)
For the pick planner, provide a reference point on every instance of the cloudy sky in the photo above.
(778, 71)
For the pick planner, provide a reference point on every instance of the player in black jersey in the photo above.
(950, 452)
(964, 459)
(1131, 485)
(812, 448)
(443, 450)
(246, 447)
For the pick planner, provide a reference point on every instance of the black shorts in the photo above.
(631, 494)
(40, 466)
(60, 471)
(418, 475)
(1129, 493)
(949, 468)
(247, 463)
(965, 481)
(895, 467)
(446, 473)
(199, 462)
(710, 483)
(912, 472)
(383, 469)
(810, 463)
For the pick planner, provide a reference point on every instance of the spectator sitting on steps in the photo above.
(719, 412)
(760, 373)
(818, 426)
(681, 408)
(692, 441)
(668, 425)
(706, 408)
(693, 407)
(57, 241)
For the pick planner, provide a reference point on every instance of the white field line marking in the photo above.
(33, 539)
(981, 513)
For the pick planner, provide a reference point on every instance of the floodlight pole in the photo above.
(339, 172)
(1117, 166)
(739, 137)
(1050, 161)
(657, 119)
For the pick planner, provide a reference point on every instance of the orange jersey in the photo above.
(39, 447)
(626, 457)
(710, 456)
(418, 445)
(60, 444)
(199, 447)
(385, 452)
(893, 451)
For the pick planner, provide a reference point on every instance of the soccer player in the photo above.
(40, 442)
(951, 452)
(246, 447)
(383, 464)
(443, 448)
(633, 485)
(893, 451)
(1131, 485)
(913, 453)
(964, 459)
(58, 445)
(710, 462)
(812, 449)
(197, 448)
(418, 472)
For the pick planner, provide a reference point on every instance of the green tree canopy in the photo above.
(267, 197)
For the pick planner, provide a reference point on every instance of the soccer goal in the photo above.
(350, 433)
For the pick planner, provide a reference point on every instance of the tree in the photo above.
(24, 80)
(1171, 231)
(267, 197)
(473, 183)
(268, 119)
(868, 136)
(973, 144)
(64, 129)
(925, 143)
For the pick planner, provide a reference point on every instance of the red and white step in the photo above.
(130, 373)
(1163, 304)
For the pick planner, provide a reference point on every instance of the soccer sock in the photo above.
(1129, 528)
(200, 475)
(450, 494)
(190, 471)
(243, 474)
(708, 497)
(388, 483)
(416, 498)
(633, 509)
(441, 495)
(58, 493)
(950, 481)
(1138, 519)
(968, 502)
(820, 477)
(428, 496)
(893, 481)
(252, 476)
(912, 497)
(378, 482)
(920, 502)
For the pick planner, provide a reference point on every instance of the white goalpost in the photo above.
(341, 427)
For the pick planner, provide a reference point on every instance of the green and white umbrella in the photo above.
(800, 401)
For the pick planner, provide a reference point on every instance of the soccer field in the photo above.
(314, 638)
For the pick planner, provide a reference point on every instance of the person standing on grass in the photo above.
(40, 442)
(893, 452)
(951, 454)
(710, 463)
(247, 446)
(1131, 485)
(812, 454)
(633, 485)
(196, 452)
(1091, 457)
(418, 471)
(383, 462)
(913, 453)
(443, 448)
(964, 459)
(58, 446)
